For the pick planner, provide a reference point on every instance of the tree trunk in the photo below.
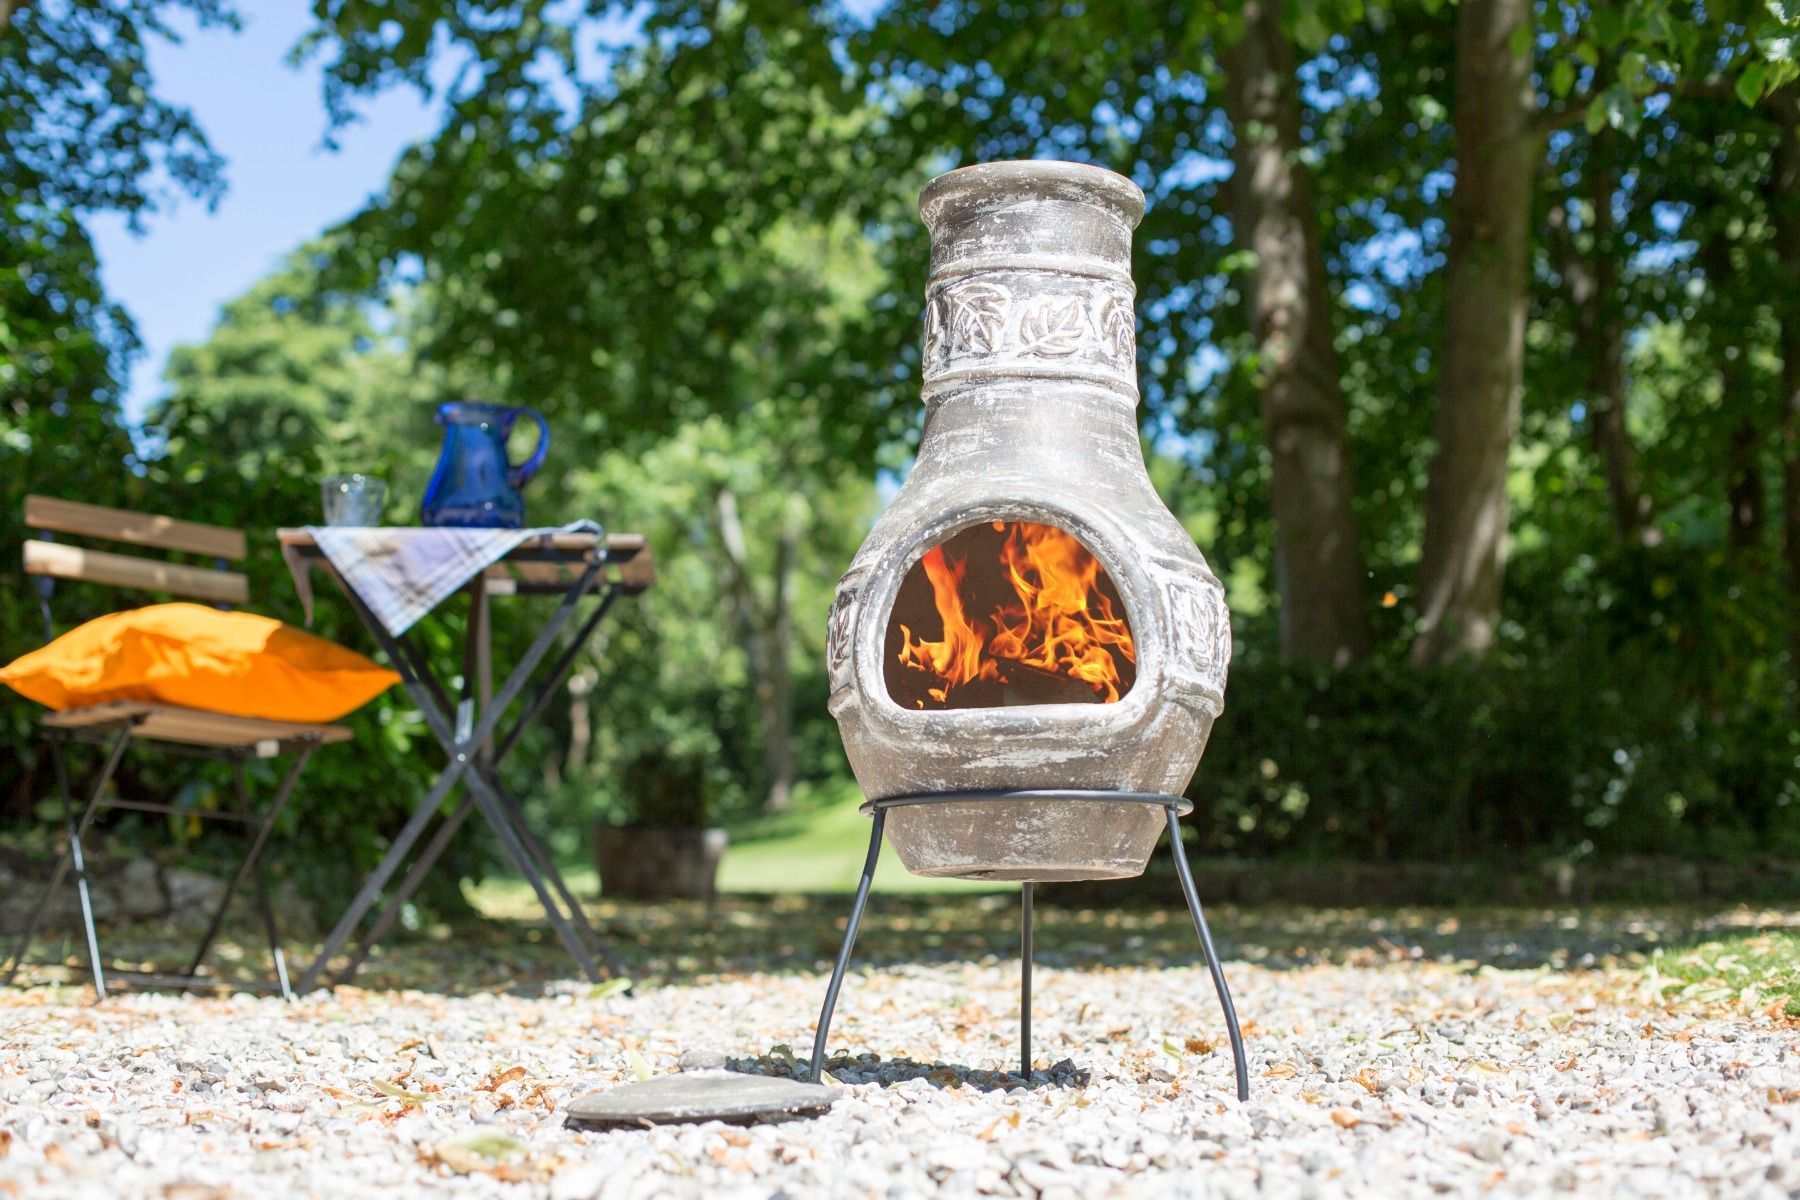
(1746, 497)
(581, 720)
(1745, 493)
(1319, 571)
(1785, 188)
(1481, 368)
(1591, 282)
(767, 639)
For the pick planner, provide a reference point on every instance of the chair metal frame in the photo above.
(113, 737)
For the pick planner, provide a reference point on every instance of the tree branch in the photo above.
(1711, 87)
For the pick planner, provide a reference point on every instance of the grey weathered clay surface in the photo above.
(1030, 389)
(1044, 841)
(700, 1096)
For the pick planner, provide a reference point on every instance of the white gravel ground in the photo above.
(1409, 1079)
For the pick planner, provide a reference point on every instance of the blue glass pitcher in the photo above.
(474, 485)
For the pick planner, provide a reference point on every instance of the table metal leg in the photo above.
(1188, 890)
(495, 812)
(843, 958)
(470, 744)
(390, 862)
(415, 878)
(540, 854)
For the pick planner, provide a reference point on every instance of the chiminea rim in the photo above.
(951, 193)
(1047, 721)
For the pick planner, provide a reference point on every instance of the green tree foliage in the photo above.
(686, 234)
(82, 131)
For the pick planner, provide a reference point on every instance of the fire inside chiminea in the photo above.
(1008, 613)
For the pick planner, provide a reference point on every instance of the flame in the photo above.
(1059, 621)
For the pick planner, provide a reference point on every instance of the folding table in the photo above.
(574, 566)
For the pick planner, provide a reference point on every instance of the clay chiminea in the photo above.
(1027, 614)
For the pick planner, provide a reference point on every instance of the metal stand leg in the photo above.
(843, 958)
(1025, 981)
(1212, 956)
(73, 857)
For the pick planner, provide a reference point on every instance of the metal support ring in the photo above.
(1181, 804)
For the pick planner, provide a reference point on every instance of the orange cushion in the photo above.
(199, 657)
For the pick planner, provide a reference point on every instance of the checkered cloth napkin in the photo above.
(401, 573)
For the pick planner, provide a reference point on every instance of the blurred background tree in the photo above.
(1469, 348)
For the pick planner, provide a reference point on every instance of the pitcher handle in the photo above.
(518, 476)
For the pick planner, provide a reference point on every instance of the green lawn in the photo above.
(1757, 969)
(817, 849)
(821, 850)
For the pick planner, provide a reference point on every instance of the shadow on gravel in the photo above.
(669, 943)
(872, 1068)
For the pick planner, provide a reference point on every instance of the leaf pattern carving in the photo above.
(1200, 629)
(935, 349)
(837, 638)
(976, 315)
(1053, 325)
(1118, 328)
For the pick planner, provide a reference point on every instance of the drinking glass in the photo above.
(353, 499)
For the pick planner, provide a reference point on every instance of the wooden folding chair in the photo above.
(187, 731)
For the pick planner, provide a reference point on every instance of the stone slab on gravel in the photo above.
(1404, 1079)
(701, 1095)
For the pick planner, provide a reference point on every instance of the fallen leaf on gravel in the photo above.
(1200, 1046)
(502, 1079)
(478, 1150)
(612, 987)
(6, 1140)
(1345, 1118)
(413, 1099)
(639, 1067)
(1281, 1071)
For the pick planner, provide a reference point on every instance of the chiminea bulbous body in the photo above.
(1030, 391)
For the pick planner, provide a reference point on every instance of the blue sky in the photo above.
(268, 121)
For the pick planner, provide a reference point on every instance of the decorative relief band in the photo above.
(985, 322)
(839, 628)
(1199, 637)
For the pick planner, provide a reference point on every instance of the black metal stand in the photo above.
(115, 736)
(1173, 806)
(475, 747)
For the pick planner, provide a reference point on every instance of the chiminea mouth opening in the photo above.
(1007, 614)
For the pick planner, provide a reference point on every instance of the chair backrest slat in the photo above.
(139, 529)
(123, 570)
